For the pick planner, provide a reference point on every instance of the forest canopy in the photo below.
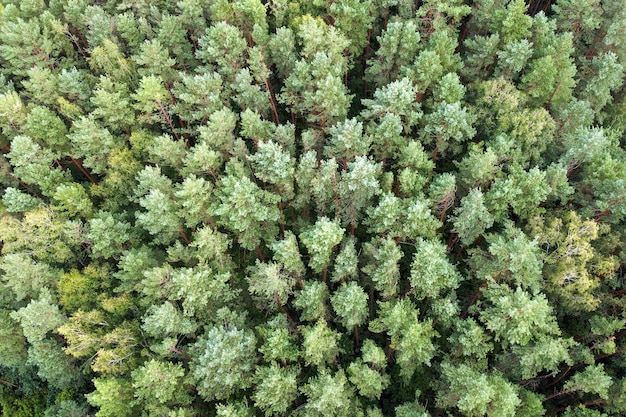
(312, 208)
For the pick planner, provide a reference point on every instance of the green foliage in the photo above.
(346, 263)
(311, 300)
(447, 126)
(222, 48)
(13, 405)
(515, 24)
(369, 382)
(287, 253)
(396, 99)
(108, 234)
(523, 191)
(33, 164)
(247, 210)
(270, 284)
(159, 218)
(279, 344)
(569, 241)
(226, 357)
(314, 88)
(592, 379)
(382, 267)
(276, 389)
(511, 257)
(80, 290)
(513, 58)
(44, 125)
(113, 396)
(517, 317)
(25, 277)
(473, 340)
(328, 395)
(365, 373)
(320, 240)
(166, 320)
(543, 354)
(16, 201)
(582, 411)
(73, 199)
(92, 142)
(53, 366)
(319, 344)
(472, 217)
(312, 208)
(476, 394)
(272, 164)
(112, 104)
(158, 386)
(358, 185)
(14, 353)
(350, 304)
(412, 338)
(608, 74)
(38, 318)
(431, 271)
(398, 44)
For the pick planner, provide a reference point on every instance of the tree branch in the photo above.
(5, 382)
(82, 169)
(598, 401)
(473, 300)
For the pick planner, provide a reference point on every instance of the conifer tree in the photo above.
(312, 208)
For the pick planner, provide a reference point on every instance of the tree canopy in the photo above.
(312, 208)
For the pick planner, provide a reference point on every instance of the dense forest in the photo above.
(312, 208)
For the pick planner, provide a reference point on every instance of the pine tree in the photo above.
(225, 362)
(312, 208)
